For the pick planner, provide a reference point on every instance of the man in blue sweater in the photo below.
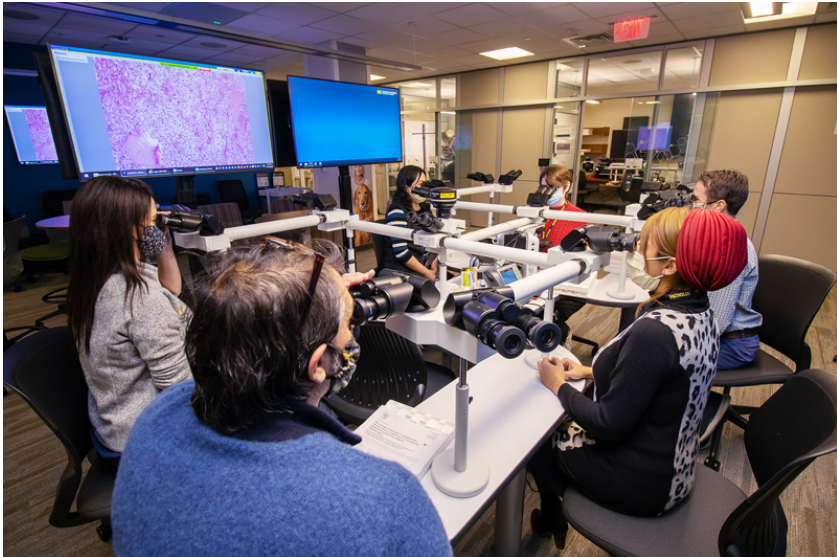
(241, 461)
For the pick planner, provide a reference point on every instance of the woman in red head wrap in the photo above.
(634, 446)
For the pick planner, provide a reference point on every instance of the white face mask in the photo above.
(557, 198)
(636, 271)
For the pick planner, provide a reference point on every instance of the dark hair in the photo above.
(107, 215)
(244, 344)
(406, 177)
(729, 185)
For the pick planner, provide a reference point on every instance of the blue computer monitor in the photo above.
(137, 116)
(344, 123)
(656, 137)
(31, 134)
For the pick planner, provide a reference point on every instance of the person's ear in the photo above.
(316, 365)
(670, 267)
(721, 205)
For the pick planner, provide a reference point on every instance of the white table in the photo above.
(511, 414)
(598, 296)
(267, 193)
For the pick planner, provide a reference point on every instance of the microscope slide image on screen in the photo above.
(31, 134)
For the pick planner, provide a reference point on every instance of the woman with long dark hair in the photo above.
(399, 254)
(124, 313)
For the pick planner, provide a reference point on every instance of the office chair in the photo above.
(228, 213)
(390, 367)
(45, 371)
(232, 191)
(53, 202)
(792, 428)
(789, 294)
(203, 199)
(12, 261)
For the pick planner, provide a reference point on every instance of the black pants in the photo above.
(565, 307)
(552, 479)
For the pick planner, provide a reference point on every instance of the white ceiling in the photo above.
(442, 37)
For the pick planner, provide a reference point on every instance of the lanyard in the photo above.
(547, 231)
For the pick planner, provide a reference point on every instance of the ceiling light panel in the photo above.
(507, 53)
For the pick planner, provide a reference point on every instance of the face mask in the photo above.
(557, 198)
(152, 241)
(636, 272)
(346, 364)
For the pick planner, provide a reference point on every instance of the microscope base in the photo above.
(460, 484)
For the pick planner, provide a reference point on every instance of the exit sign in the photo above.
(631, 29)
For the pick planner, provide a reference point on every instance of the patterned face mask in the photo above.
(152, 241)
(346, 364)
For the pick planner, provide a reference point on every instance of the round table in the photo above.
(57, 229)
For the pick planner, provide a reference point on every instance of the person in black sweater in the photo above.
(633, 447)
(400, 254)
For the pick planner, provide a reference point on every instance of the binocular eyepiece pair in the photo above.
(180, 220)
(499, 323)
(392, 293)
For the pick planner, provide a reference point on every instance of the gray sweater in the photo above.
(136, 351)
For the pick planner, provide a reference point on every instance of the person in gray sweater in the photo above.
(125, 315)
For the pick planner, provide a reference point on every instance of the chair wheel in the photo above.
(104, 532)
(712, 463)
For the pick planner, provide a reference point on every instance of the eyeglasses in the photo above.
(319, 260)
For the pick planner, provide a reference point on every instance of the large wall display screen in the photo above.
(132, 115)
(344, 123)
(31, 134)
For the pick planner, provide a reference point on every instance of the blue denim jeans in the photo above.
(737, 352)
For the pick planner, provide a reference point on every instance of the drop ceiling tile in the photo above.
(79, 43)
(445, 63)
(585, 27)
(261, 24)
(387, 13)
(309, 35)
(45, 16)
(399, 55)
(661, 28)
(381, 37)
(471, 60)
(473, 14)
(204, 12)
(344, 24)
(257, 51)
(424, 26)
(339, 7)
(152, 46)
(198, 41)
(659, 39)
(518, 8)
(186, 53)
(419, 44)
(446, 52)
(158, 34)
(21, 38)
(457, 37)
(709, 22)
(501, 27)
(436, 7)
(713, 32)
(697, 9)
(25, 27)
(560, 15)
(779, 24)
(244, 6)
(655, 15)
(233, 58)
(296, 12)
(130, 49)
(500, 42)
(99, 24)
(147, 6)
(604, 9)
(59, 34)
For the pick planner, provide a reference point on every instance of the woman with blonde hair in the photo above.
(633, 447)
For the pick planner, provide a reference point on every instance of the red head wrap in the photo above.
(711, 250)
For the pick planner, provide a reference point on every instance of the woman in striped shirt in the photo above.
(400, 254)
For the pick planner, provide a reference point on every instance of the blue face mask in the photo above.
(557, 198)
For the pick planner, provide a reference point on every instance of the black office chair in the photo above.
(378, 246)
(390, 367)
(789, 294)
(232, 191)
(45, 371)
(794, 427)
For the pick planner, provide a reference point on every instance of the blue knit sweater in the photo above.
(292, 486)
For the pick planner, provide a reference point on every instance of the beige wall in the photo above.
(526, 82)
(483, 154)
(745, 123)
(522, 147)
(478, 88)
(802, 226)
(760, 57)
(819, 60)
(809, 158)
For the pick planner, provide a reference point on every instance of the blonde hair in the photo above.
(557, 173)
(663, 229)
